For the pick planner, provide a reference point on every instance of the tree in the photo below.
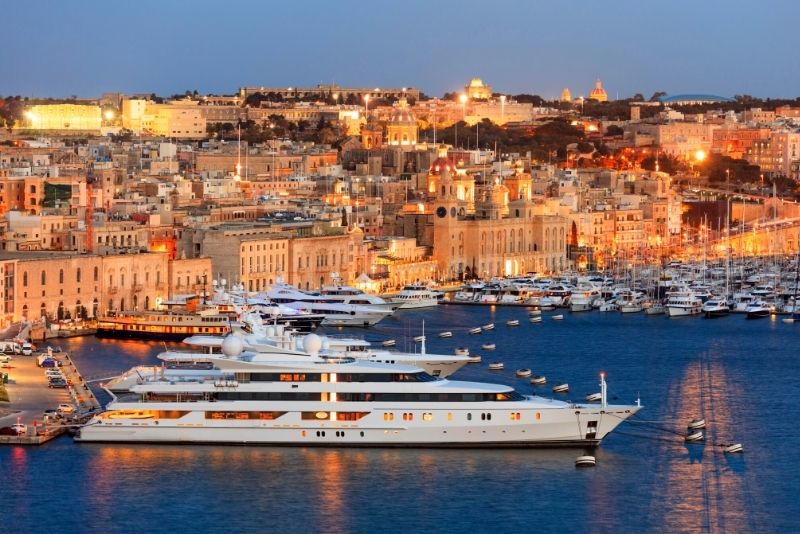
(657, 95)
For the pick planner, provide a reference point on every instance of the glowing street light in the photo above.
(109, 115)
(366, 105)
(700, 156)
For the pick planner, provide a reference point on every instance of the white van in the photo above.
(53, 373)
(27, 349)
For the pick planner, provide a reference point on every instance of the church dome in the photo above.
(476, 82)
(598, 93)
(402, 116)
(566, 95)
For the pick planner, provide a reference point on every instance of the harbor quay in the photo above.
(46, 412)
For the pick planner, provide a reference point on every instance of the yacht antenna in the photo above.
(422, 348)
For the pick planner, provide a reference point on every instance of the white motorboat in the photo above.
(757, 309)
(539, 380)
(476, 330)
(338, 310)
(683, 303)
(512, 322)
(715, 307)
(534, 313)
(488, 346)
(462, 351)
(656, 308)
(469, 293)
(523, 373)
(419, 339)
(319, 399)
(389, 343)
(697, 424)
(416, 296)
(557, 317)
(475, 359)
(593, 397)
(497, 366)
(445, 334)
(561, 388)
(536, 319)
(586, 460)
(487, 327)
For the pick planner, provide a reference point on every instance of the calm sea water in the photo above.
(740, 375)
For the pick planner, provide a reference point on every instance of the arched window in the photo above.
(147, 302)
(60, 312)
(44, 278)
(78, 275)
(122, 304)
(96, 273)
(25, 279)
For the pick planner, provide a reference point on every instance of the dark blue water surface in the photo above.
(740, 375)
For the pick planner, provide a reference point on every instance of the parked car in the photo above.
(65, 408)
(57, 383)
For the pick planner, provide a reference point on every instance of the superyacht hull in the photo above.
(580, 426)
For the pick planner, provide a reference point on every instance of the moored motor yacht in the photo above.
(323, 399)
(757, 309)
(416, 296)
(716, 307)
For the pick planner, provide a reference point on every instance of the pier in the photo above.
(29, 397)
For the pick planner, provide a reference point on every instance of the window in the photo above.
(78, 275)
(25, 279)
(427, 416)
(44, 278)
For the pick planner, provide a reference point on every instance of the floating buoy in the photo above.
(446, 334)
(695, 436)
(697, 424)
(474, 359)
(496, 366)
(476, 330)
(488, 346)
(389, 343)
(733, 448)
(561, 388)
(419, 339)
(488, 327)
(535, 312)
(594, 397)
(585, 461)
(462, 351)
(558, 317)
(512, 322)
(539, 380)
(536, 319)
(523, 373)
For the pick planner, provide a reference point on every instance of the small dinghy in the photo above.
(733, 448)
(539, 380)
(536, 320)
(561, 388)
(488, 346)
(534, 312)
(585, 461)
(419, 339)
(787, 320)
(446, 334)
(389, 343)
(694, 437)
(497, 366)
(558, 317)
(488, 327)
(462, 351)
(476, 330)
(474, 359)
(523, 373)
(697, 424)
(512, 322)
(593, 397)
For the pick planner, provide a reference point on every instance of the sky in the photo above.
(60, 48)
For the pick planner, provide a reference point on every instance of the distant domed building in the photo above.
(478, 90)
(566, 96)
(598, 93)
(402, 126)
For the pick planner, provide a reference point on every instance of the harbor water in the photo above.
(738, 374)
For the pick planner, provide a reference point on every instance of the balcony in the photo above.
(137, 288)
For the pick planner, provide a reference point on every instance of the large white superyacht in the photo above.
(317, 399)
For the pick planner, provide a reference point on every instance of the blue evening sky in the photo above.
(85, 47)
